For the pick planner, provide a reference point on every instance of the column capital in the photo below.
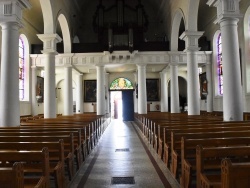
(174, 57)
(162, 73)
(49, 42)
(165, 70)
(173, 64)
(141, 65)
(11, 10)
(33, 59)
(226, 9)
(99, 66)
(208, 57)
(64, 60)
(33, 67)
(191, 39)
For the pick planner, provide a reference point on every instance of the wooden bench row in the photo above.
(40, 160)
(180, 138)
(208, 167)
(34, 135)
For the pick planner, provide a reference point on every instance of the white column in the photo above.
(136, 94)
(107, 110)
(9, 92)
(100, 92)
(79, 95)
(49, 52)
(68, 91)
(164, 92)
(191, 39)
(175, 103)
(10, 21)
(33, 91)
(142, 90)
(228, 15)
(209, 87)
(49, 86)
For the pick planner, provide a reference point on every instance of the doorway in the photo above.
(116, 105)
(122, 105)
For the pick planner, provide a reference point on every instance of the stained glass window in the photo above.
(21, 69)
(219, 64)
(121, 83)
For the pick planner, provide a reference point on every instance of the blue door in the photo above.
(128, 105)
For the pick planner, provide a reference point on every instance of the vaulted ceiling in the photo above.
(83, 17)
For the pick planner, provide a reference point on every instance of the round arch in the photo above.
(192, 19)
(175, 29)
(121, 83)
(59, 82)
(182, 92)
(65, 33)
(48, 17)
(60, 94)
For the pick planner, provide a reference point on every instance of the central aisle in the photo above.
(122, 153)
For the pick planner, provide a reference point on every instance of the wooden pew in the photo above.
(12, 176)
(165, 144)
(80, 139)
(176, 143)
(56, 156)
(162, 140)
(68, 146)
(188, 153)
(48, 132)
(91, 139)
(235, 175)
(163, 126)
(210, 159)
(38, 158)
(152, 126)
(86, 132)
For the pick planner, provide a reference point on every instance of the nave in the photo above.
(122, 152)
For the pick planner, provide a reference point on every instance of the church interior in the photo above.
(133, 93)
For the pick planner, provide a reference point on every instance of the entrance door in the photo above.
(128, 105)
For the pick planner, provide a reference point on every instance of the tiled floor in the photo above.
(139, 162)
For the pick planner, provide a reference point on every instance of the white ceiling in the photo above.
(35, 19)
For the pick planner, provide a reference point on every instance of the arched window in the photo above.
(121, 83)
(21, 68)
(219, 64)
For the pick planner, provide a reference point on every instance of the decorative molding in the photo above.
(226, 9)
(102, 59)
(49, 42)
(11, 10)
(191, 39)
(7, 9)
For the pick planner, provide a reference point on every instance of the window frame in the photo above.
(219, 64)
(26, 69)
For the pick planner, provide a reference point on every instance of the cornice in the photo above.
(140, 58)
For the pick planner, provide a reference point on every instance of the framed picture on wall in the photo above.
(152, 89)
(39, 89)
(89, 90)
(203, 86)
